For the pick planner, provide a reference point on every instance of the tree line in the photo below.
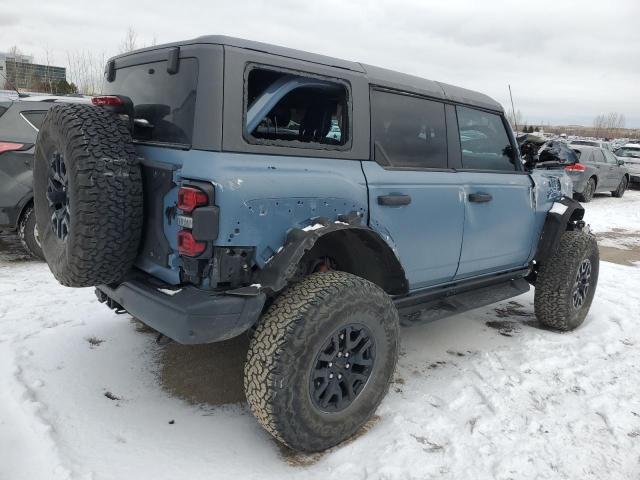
(84, 70)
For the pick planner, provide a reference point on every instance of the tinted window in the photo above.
(598, 156)
(408, 131)
(484, 141)
(35, 118)
(164, 105)
(295, 110)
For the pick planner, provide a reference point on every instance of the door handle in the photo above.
(480, 197)
(394, 200)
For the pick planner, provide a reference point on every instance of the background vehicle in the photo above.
(598, 171)
(591, 143)
(20, 121)
(420, 209)
(630, 155)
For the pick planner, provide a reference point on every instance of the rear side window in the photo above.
(598, 157)
(484, 141)
(164, 104)
(282, 108)
(34, 118)
(408, 131)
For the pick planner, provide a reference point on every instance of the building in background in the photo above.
(19, 71)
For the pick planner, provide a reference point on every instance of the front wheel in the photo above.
(619, 192)
(321, 360)
(567, 281)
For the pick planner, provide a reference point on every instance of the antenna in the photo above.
(513, 110)
(20, 95)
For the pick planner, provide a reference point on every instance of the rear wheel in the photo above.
(589, 190)
(321, 360)
(566, 283)
(619, 192)
(28, 233)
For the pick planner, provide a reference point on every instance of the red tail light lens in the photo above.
(107, 101)
(576, 167)
(10, 147)
(190, 198)
(189, 246)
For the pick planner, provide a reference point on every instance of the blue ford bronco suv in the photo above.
(223, 186)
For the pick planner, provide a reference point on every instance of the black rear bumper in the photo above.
(185, 314)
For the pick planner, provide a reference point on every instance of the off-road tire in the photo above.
(589, 190)
(619, 192)
(104, 193)
(28, 233)
(553, 301)
(285, 346)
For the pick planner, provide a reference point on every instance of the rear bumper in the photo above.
(579, 181)
(188, 316)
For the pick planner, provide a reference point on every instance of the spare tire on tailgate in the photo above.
(87, 195)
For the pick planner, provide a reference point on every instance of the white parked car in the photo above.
(630, 155)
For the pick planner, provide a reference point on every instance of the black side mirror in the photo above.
(620, 162)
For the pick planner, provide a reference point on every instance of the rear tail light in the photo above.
(107, 101)
(189, 246)
(576, 167)
(11, 147)
(190, 198)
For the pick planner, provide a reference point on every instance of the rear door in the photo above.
(604, 170)
(615, 171)
(499, 226)
(415, 200)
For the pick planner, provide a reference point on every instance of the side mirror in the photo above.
(620, 162)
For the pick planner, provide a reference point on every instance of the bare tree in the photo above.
(130, 41)
(86, 70)
(515, 121)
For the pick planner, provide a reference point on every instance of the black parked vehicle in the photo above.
(20, 121)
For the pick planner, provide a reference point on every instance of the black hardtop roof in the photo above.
(376, 75)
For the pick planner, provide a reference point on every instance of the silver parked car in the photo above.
(597, 170)
(630, 155)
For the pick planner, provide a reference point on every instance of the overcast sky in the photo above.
(566, 60)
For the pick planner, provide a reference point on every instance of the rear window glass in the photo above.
(34, 118)
(407, 131)
(164, 104)
(295, 110)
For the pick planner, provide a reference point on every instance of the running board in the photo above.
(425, 308)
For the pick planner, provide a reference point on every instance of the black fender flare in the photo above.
(283, 266)
(564, 215)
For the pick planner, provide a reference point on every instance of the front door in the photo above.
(499, 226)
(415, 201)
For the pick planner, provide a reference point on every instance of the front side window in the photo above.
(484, 141)
(610, 157)
(293, 110)
(408, 131)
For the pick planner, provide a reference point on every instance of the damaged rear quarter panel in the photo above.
(262, 197)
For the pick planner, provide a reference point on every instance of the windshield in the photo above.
(164, 104)
(628, 152)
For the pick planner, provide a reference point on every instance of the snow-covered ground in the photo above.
(488, 394)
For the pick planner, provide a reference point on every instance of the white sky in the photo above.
(566, 60)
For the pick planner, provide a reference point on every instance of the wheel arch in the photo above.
(355, 248)
(559, 219)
